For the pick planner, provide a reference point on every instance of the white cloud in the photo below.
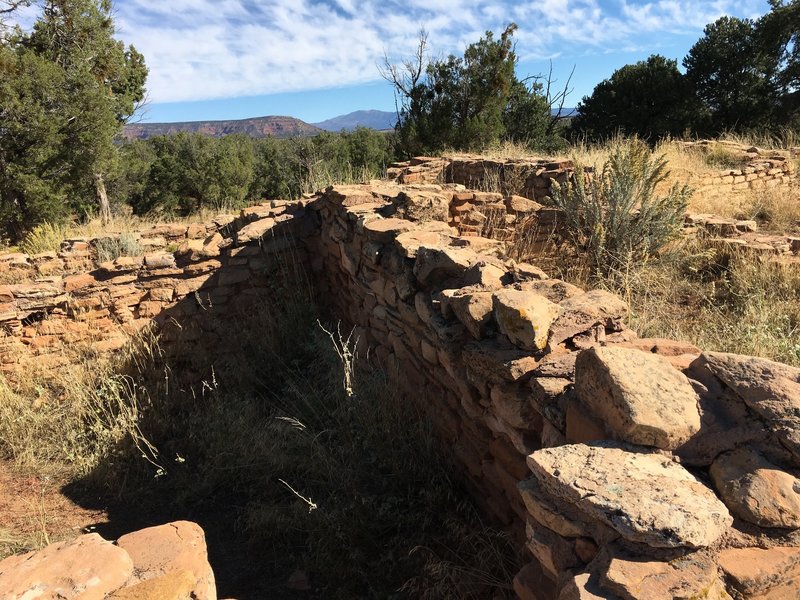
(205, 49)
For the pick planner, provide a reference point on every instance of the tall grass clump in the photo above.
(613, 215)
(45, 237)
(73, 419)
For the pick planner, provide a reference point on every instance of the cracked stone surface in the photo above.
(646, 498)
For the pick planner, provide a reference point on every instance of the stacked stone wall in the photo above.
(192, 279)
(626, 467)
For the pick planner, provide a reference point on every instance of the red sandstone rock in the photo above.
(638, 395)
(755, 572)
(757, 491)
(77, 282)
(88, 568)
(691, 576)
(178, 546)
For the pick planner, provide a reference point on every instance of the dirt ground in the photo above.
(35, 512)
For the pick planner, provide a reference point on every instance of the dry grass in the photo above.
(731, 301)
(67, 419)
(307, 452)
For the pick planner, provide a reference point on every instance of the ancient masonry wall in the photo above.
(533, 178)
(190, 281)
(627, 467)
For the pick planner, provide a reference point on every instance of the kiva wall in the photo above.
(627, 467)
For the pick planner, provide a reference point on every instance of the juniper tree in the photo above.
(66, 88)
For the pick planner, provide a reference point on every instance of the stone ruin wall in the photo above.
(533, 178)
(219, 269)
(508, 199)
(626, 467)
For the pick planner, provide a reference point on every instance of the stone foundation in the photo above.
(627, 467)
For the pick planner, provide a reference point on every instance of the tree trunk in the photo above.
(102, 198)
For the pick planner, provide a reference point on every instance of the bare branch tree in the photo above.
(405, 76)
(9, 6)
(556, 98)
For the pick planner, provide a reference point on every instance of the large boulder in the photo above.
(646, 498)
(757, 491)
(178, 546)
(87, 567)
(770, 389)
(639, 396)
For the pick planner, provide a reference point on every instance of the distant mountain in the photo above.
(258, 127)
(565, 112)
(374, 119)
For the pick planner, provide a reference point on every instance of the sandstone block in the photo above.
(409, 242)
(554, 553)
(497, 361)
(646, 498)
(474, 311)
(757, 571)
(254, 231)
(524, 317)
(690, 576)
(87, 567)
(385, 230)
(638, 395)
(757, 491)
(584, 586)
(531, 583)
(178, 546)
(437, 264)
(770, 389)
(554, 290)
(159, 261)
(424, 206)
(511, 402)
(582, 312)
(520, 204)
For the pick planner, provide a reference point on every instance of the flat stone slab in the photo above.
(647, 498)
(639, 396)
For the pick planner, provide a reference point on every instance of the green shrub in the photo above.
(111, 248)
(613, 215)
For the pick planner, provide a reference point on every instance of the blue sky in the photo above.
(315, 59)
